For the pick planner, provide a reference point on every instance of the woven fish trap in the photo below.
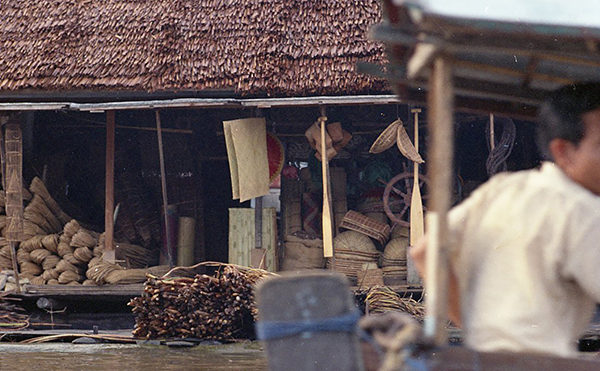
(38, 255)
(38, 187)
(69, 276)
(387, 138)
(50, 261)
(22, 256)
(71, 228)
(64, 266)
(395, 250)
(50, 243)
(31, 268)
(83, 254)
(52, 282)
(50, 274)
(38, 280)
(83, 238)
(31, 244)
(64, 249)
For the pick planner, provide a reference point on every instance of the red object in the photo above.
(290, 172)
(274, 155)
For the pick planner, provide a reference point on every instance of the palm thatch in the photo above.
(277, 47)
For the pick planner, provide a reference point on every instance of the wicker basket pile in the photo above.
(393, 262)
(352, 250)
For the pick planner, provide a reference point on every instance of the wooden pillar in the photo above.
(441, 150)
(109, 203)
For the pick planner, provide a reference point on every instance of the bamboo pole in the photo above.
(109, 194)
(327, 212)
(440, 100)
(163, 184)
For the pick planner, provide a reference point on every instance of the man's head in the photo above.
(569, 131)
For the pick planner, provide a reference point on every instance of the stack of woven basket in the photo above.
(352, 250)
(393, 259)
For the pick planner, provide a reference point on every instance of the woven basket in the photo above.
(355, 242)
(387, 138)
(406, 147)
(400, 231)
(396, 250)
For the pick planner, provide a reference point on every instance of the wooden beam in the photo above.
(421, 59)
(441, 129)
(109, 194)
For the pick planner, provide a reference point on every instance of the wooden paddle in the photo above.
(416, 204)
(327, 215)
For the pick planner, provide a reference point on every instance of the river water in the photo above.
(118, 357)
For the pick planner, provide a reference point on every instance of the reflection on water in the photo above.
(117, 357)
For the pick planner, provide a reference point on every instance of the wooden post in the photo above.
(109, 194)
(441, 150)
(163, 184)
(12, 179)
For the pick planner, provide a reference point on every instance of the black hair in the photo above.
(560, 116)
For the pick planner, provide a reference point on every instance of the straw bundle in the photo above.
(71, 228)
(50, 243)
(69, 276)
(64, 249)
(103, 272)
(31, 229)
(383, 299)
(70, 257)
(3, 219)
(5, 258)
(53, 282)
(30, 268)
(38, 255)
(38, 213)
(50, 262)
(37, 187)
(83, 238)
(38, 280)
(83, 254)
(50, 274)
(32, 243)
(22, 256)
(64, 266)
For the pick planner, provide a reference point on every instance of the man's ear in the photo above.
(561, 150)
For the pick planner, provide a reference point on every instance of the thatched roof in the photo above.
(272, 47)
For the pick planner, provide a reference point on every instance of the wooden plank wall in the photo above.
(242, 239)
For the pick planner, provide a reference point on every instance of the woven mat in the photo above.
(246, 141)
(360, 223)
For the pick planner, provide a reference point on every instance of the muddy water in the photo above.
(117, 357)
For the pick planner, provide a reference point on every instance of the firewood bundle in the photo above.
(219, 307)
(12, 315)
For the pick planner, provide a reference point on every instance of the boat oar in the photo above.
(416, 203)
(327, 216)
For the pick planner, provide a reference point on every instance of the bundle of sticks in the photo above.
(219, 307)
(382, 299)
(12, 316)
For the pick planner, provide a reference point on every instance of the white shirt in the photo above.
(527, 259)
